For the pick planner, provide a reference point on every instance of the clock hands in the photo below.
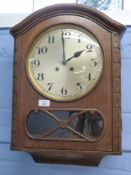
(76, 54)
(63, 45)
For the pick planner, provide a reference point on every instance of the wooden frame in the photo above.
(105, 97)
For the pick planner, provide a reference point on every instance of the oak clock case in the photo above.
(66, 94)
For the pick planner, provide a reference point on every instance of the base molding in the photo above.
(91, 160)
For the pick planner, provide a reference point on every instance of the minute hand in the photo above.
(63, 45)
(76, 54)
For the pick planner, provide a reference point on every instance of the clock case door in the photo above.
(105, 98)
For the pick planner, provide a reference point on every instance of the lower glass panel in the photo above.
(87, 125)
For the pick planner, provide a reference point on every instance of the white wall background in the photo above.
(13, 11)
(28, 6)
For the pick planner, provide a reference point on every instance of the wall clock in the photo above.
(66, 94)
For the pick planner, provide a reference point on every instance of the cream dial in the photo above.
(65, 63)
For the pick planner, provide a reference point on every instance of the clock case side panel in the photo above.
(116, 74)
(15, 100)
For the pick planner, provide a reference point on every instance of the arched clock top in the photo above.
(67, 9)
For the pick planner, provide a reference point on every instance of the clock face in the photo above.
(65, 63)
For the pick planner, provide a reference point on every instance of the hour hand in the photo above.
(76, 54)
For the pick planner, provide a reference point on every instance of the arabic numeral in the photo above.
(64, 91)
(89, 47)
(94, 62)
(36, 63)
(50, 85)
(51, 39)
(79, 85)
(67, 34)
(42, 50)
(80, 37)
(40, 77)
(89, 77)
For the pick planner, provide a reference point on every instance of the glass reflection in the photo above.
(65, 124)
